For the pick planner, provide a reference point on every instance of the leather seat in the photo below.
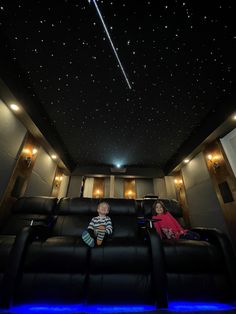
(66, 275)
(121, 270)
(197, 270)
(24, 224)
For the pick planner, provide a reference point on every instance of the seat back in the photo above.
(124, 217)
(39, 209)
(171, 205)
(74, 215)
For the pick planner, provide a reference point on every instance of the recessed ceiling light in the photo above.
(54, 156)
(186, 161)
(14, 107)
(234, 117)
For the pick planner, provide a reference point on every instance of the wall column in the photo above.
(112, 186)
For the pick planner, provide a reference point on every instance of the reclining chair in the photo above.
(127, 268)
(29, 216)
(197, 270)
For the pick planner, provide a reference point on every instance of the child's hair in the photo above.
(103, 202)
(154, 207)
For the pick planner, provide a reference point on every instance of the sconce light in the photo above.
(130, 194)
(178, 183)
(214, 161)
(28, 155)
(58, 179)
(97, 193)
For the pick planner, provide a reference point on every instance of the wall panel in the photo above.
(42, 176)
(204, 207)
(12, 134)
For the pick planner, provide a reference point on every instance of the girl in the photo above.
(168, 227)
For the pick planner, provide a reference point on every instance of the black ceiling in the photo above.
(178, 57)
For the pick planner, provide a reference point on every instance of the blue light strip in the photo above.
(178, 306)
(185, 306)
(77, 308)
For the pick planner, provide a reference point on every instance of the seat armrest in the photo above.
(220, 239)
(16, 258)
(147, 222)
(158, 271)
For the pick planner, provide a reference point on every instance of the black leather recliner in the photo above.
(127, 268)
(197, 270)
(30, 217)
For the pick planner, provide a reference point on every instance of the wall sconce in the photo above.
(214, 161)
(97, 193)
(28, 155)
(58, 180)
(130, 194)
(178, 183)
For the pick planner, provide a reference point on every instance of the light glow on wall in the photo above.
(14, 107)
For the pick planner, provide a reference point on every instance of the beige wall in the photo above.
(159, 187)
(12, 134)
(229, 144)
(170, 187)
(63, 187)
(42, 176)
(204, 207)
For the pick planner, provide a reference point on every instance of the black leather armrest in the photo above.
(220, 239)
(16, 257)
(147, 222)
(42, 221)
(158, 264)
(14, 262)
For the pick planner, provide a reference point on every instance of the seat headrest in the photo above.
(120, 206)
(76, 206)
(87, 206)
(171, 205)
(34, 205)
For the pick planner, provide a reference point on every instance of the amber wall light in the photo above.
(28, 154)
(214, 161)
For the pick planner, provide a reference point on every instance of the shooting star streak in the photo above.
(109, 37)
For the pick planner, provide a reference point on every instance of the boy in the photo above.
(99, 226)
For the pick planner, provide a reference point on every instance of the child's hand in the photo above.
(101, 227)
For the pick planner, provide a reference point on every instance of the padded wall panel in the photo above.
(12, 134)
(42, 176)
(204, 207)
(144, 187)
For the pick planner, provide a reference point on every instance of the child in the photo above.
(99, 226)
(168, 227)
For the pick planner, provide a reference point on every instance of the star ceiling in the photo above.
(178, 57)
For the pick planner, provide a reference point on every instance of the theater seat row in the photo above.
(43, 259)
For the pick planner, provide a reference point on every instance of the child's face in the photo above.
(159, 209)
(103, 209)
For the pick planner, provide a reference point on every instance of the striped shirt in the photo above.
(98, 221)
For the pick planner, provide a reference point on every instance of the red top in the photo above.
(168, 227)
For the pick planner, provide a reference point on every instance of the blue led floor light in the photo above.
(174, 307)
